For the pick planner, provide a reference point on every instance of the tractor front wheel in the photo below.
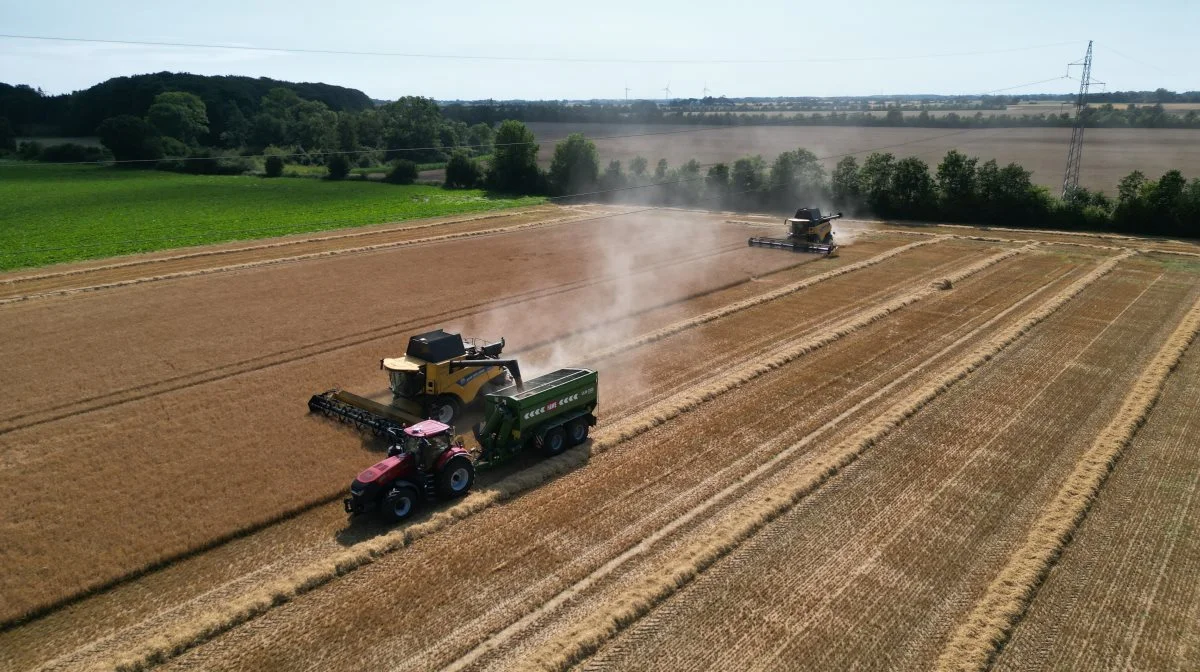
(455, 479)
(400, 502)
(553, 442)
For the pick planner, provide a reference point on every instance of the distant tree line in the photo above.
(649, 112)
(961, 189)
(179, 130)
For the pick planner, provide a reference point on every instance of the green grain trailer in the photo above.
(549, 414)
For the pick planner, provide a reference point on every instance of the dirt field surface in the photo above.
(1108, 155)
(801, 461)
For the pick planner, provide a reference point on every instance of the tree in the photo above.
(403, 172)
(912, 193)
(875, 180)
(338, 166)
(845, 182)
(8, 138)
(274, 166)
(576, 165)
(480, 137)
(347, 132)
(613, 177)
(747, 180)
(130, 138)
(716, 183)
(462, 171)
(179, 115)
(956, 185)
(513, 167)
(894, 117)
(638, 166)
(660, 170)
(412, 122)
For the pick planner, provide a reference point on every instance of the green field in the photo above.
(51, 214)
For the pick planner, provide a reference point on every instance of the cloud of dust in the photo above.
(624, 266)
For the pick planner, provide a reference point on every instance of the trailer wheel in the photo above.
(444, 409)
(552, 442)
(577, 431)
(455, 479)
(400, 502)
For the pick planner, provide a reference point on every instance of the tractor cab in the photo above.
(426, 440)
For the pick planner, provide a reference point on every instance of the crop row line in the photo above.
(238, 611)
(325, 346)
(357, 233)
(603, 624)
(770, 466)
(981, 635)
(297, 258)
(366, 337)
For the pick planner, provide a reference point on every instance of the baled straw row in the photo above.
(988, 627)
(606, 622)
(290, 259)
(280, 591)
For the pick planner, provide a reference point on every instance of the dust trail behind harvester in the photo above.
(619, 249)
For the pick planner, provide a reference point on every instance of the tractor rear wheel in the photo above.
(552, 442)
(445, 409)
(400, 502)
(577, 431)
(828, 239)
(455, 479)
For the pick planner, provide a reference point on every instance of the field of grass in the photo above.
(53, 214)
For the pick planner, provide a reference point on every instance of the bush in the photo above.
(274, 166)
(8, 137)
(207, 162)
(30, 150)
(339, 167)
(403, 172)
(462, 172)
(70, 152)
(130, 139)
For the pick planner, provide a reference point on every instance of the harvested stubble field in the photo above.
(801, 462)
(1109, 155)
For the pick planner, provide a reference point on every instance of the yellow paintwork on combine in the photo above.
(439, 379)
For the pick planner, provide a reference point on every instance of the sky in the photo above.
(815, 48)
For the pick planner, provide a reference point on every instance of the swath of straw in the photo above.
(606, 622)
(985, 630)
(281, 591)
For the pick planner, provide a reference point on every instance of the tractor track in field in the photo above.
(860, 623)
(139, 392)
(988, 627)
(659, 586)
(193, 270)
(779, 458)
(304, 580)
(737, 306)
(607, 440)
(909, 285)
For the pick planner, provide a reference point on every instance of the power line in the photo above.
(536, 59)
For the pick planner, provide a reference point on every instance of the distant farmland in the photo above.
(1108, 155)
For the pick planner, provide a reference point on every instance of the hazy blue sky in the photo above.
(1138, 45)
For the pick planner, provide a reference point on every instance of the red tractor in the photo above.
(426, 463)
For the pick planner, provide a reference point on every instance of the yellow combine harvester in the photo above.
(808, 231)
(438, 376)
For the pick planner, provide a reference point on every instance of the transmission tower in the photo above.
(1075, 152)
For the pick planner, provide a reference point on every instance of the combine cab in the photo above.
(808, 231)
(438, 376)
